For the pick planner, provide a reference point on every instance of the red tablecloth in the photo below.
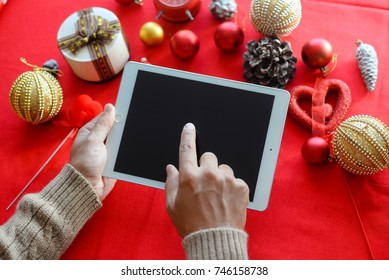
(311, 214)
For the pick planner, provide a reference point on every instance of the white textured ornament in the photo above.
(368, 64)
(223, 9)
(275, 17)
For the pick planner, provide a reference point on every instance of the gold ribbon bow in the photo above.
(92, 31)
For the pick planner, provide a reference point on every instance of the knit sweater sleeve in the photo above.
(45, 223)
(216, 244)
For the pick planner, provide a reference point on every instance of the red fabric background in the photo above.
(311, 214)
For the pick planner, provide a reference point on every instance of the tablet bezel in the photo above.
(272, 143)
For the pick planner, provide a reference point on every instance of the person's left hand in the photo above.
(89, 154)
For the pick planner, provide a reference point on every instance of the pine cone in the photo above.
(223, 9)
(269, 62)
(368, 64)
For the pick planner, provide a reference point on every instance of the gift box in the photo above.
(94, 44)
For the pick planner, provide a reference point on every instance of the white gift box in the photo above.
(93, 44)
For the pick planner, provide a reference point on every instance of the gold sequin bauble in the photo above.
(361, 145)
(275, 17)
(36, 96)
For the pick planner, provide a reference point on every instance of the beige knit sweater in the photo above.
(45, 224)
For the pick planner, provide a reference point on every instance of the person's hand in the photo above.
(206, 195)
(89, 154)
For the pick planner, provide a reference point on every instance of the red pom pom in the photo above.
(315, 150)
(83, 110)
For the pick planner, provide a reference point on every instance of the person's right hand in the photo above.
(203, 196)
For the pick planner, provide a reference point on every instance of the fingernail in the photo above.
(168, 170)
(108, 108)
(189, 126)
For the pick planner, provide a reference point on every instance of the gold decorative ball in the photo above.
(151, 34)
(275, 17)
(36, 96)
(361, 145)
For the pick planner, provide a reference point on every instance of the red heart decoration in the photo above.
(322, 120)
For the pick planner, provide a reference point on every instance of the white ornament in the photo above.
(275, 17)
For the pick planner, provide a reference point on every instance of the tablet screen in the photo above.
(232, 123)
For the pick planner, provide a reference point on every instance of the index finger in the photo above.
(187, 153)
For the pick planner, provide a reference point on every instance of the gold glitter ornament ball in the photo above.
(151, 34)
(275, 17)
(36, 96)
(361, 145)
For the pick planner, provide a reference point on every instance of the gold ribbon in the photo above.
(91, 29)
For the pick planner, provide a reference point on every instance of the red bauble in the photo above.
(184, 44)
(317, 53)
(228, 36)
(315, 150)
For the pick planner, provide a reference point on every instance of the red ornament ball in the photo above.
(228, 36)
(317, 53)
(315, 150)
(184, 44)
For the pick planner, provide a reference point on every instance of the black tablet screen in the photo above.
(231, 123)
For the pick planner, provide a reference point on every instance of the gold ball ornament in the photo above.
(275, 17)
(361, 145)
(151, 34)
(36, 96)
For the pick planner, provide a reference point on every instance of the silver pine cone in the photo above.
(223, 9)
(269, 62)
(368, 64)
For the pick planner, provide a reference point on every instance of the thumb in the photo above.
(171, 185)
(103, 123)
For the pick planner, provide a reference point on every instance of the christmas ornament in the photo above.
(315, 150)
(223, 9)
(177, 10)
(228, 36)
(184, 44)
(269, 62)
(36, 96)
(151, 34)
(368, 64)
(317, 53)
(275, 17)
(52, 65)
(126, 2)
(323, 118)
(361, 145)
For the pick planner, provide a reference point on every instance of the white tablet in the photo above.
(241, 123)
